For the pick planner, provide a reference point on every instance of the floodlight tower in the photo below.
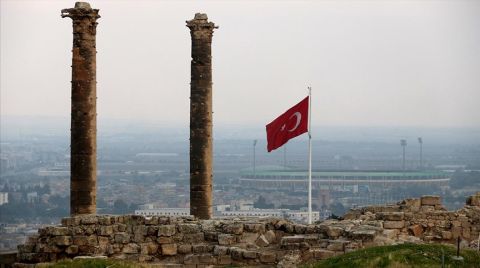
(420, 141)
(254, 160)
(403, 143)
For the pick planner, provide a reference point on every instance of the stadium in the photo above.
(350, 187)
(276, 178)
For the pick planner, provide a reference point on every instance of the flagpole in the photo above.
(309, 155)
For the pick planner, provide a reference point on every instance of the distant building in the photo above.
(224, 211)
(163, 212)
(293, 215)
(32, 197)
(3, 198)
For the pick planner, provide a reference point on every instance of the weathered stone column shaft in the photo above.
(83, 140)
(201, 144)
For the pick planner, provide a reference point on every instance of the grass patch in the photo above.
(399, 256)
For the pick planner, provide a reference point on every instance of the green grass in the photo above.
(405, 255)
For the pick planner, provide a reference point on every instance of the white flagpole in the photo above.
(309, 155)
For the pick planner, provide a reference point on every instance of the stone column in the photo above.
(201, 31)
(83, 143)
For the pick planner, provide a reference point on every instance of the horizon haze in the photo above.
(393, 64)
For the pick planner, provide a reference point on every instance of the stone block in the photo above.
(333, 231)
(88, 219)
(105, 230)
(134, 219)
(254, 227)
(248, 238)
(262, 241)
(224, 260)
(102, 240)
(152, 230)
(220, 250)
(120, 227)
(363, 234)
(188, 228)
(226, 239)
(202, 248)
(54, 231)
(446, 235)
(151, 220)
(207, 259)
(336, 245)
(323, 254)
(211, 236)
(430, 200)
(292, 239)
(164, 240)
(270, 236)
(147, 258)
(82, 240)
(474, 200)
(184, 249)
(466, 233)
(394, 224)
(122, 238)
(169, 249)
(25, 248)
(105, 220)
(390, 216)
(71, 221)
(167, 230)
(233, 228)
(416, 230)
(63, 240)
(72, 250)
(51, 249)
(268, 257)
(191, 259)
(249, 254)
(149, 248)
(390, 233)
(236, 253)
(299, 228)
(456, 232)
(131, 248)
(193, 238)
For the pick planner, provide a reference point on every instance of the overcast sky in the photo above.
(370, 63)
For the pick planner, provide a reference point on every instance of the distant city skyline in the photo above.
(370, 63)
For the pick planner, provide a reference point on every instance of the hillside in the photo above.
(404, 255)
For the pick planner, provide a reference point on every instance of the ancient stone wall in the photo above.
(252, 241)
(426, 219)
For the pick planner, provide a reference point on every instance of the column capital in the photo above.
(80, 11)
(200, 23)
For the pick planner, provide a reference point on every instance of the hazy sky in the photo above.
(370, 63)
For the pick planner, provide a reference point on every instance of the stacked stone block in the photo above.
(249, 241)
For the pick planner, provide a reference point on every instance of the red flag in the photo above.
(290, 124)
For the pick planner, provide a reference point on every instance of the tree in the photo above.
(262, 203)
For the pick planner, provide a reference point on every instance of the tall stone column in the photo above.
(201, 31)
(83, 140)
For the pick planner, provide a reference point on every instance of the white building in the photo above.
(163, 212)
(293, 215)
(3, 198)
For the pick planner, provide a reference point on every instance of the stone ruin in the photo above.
(191, 242)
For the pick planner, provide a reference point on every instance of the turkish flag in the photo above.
(290, 124)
